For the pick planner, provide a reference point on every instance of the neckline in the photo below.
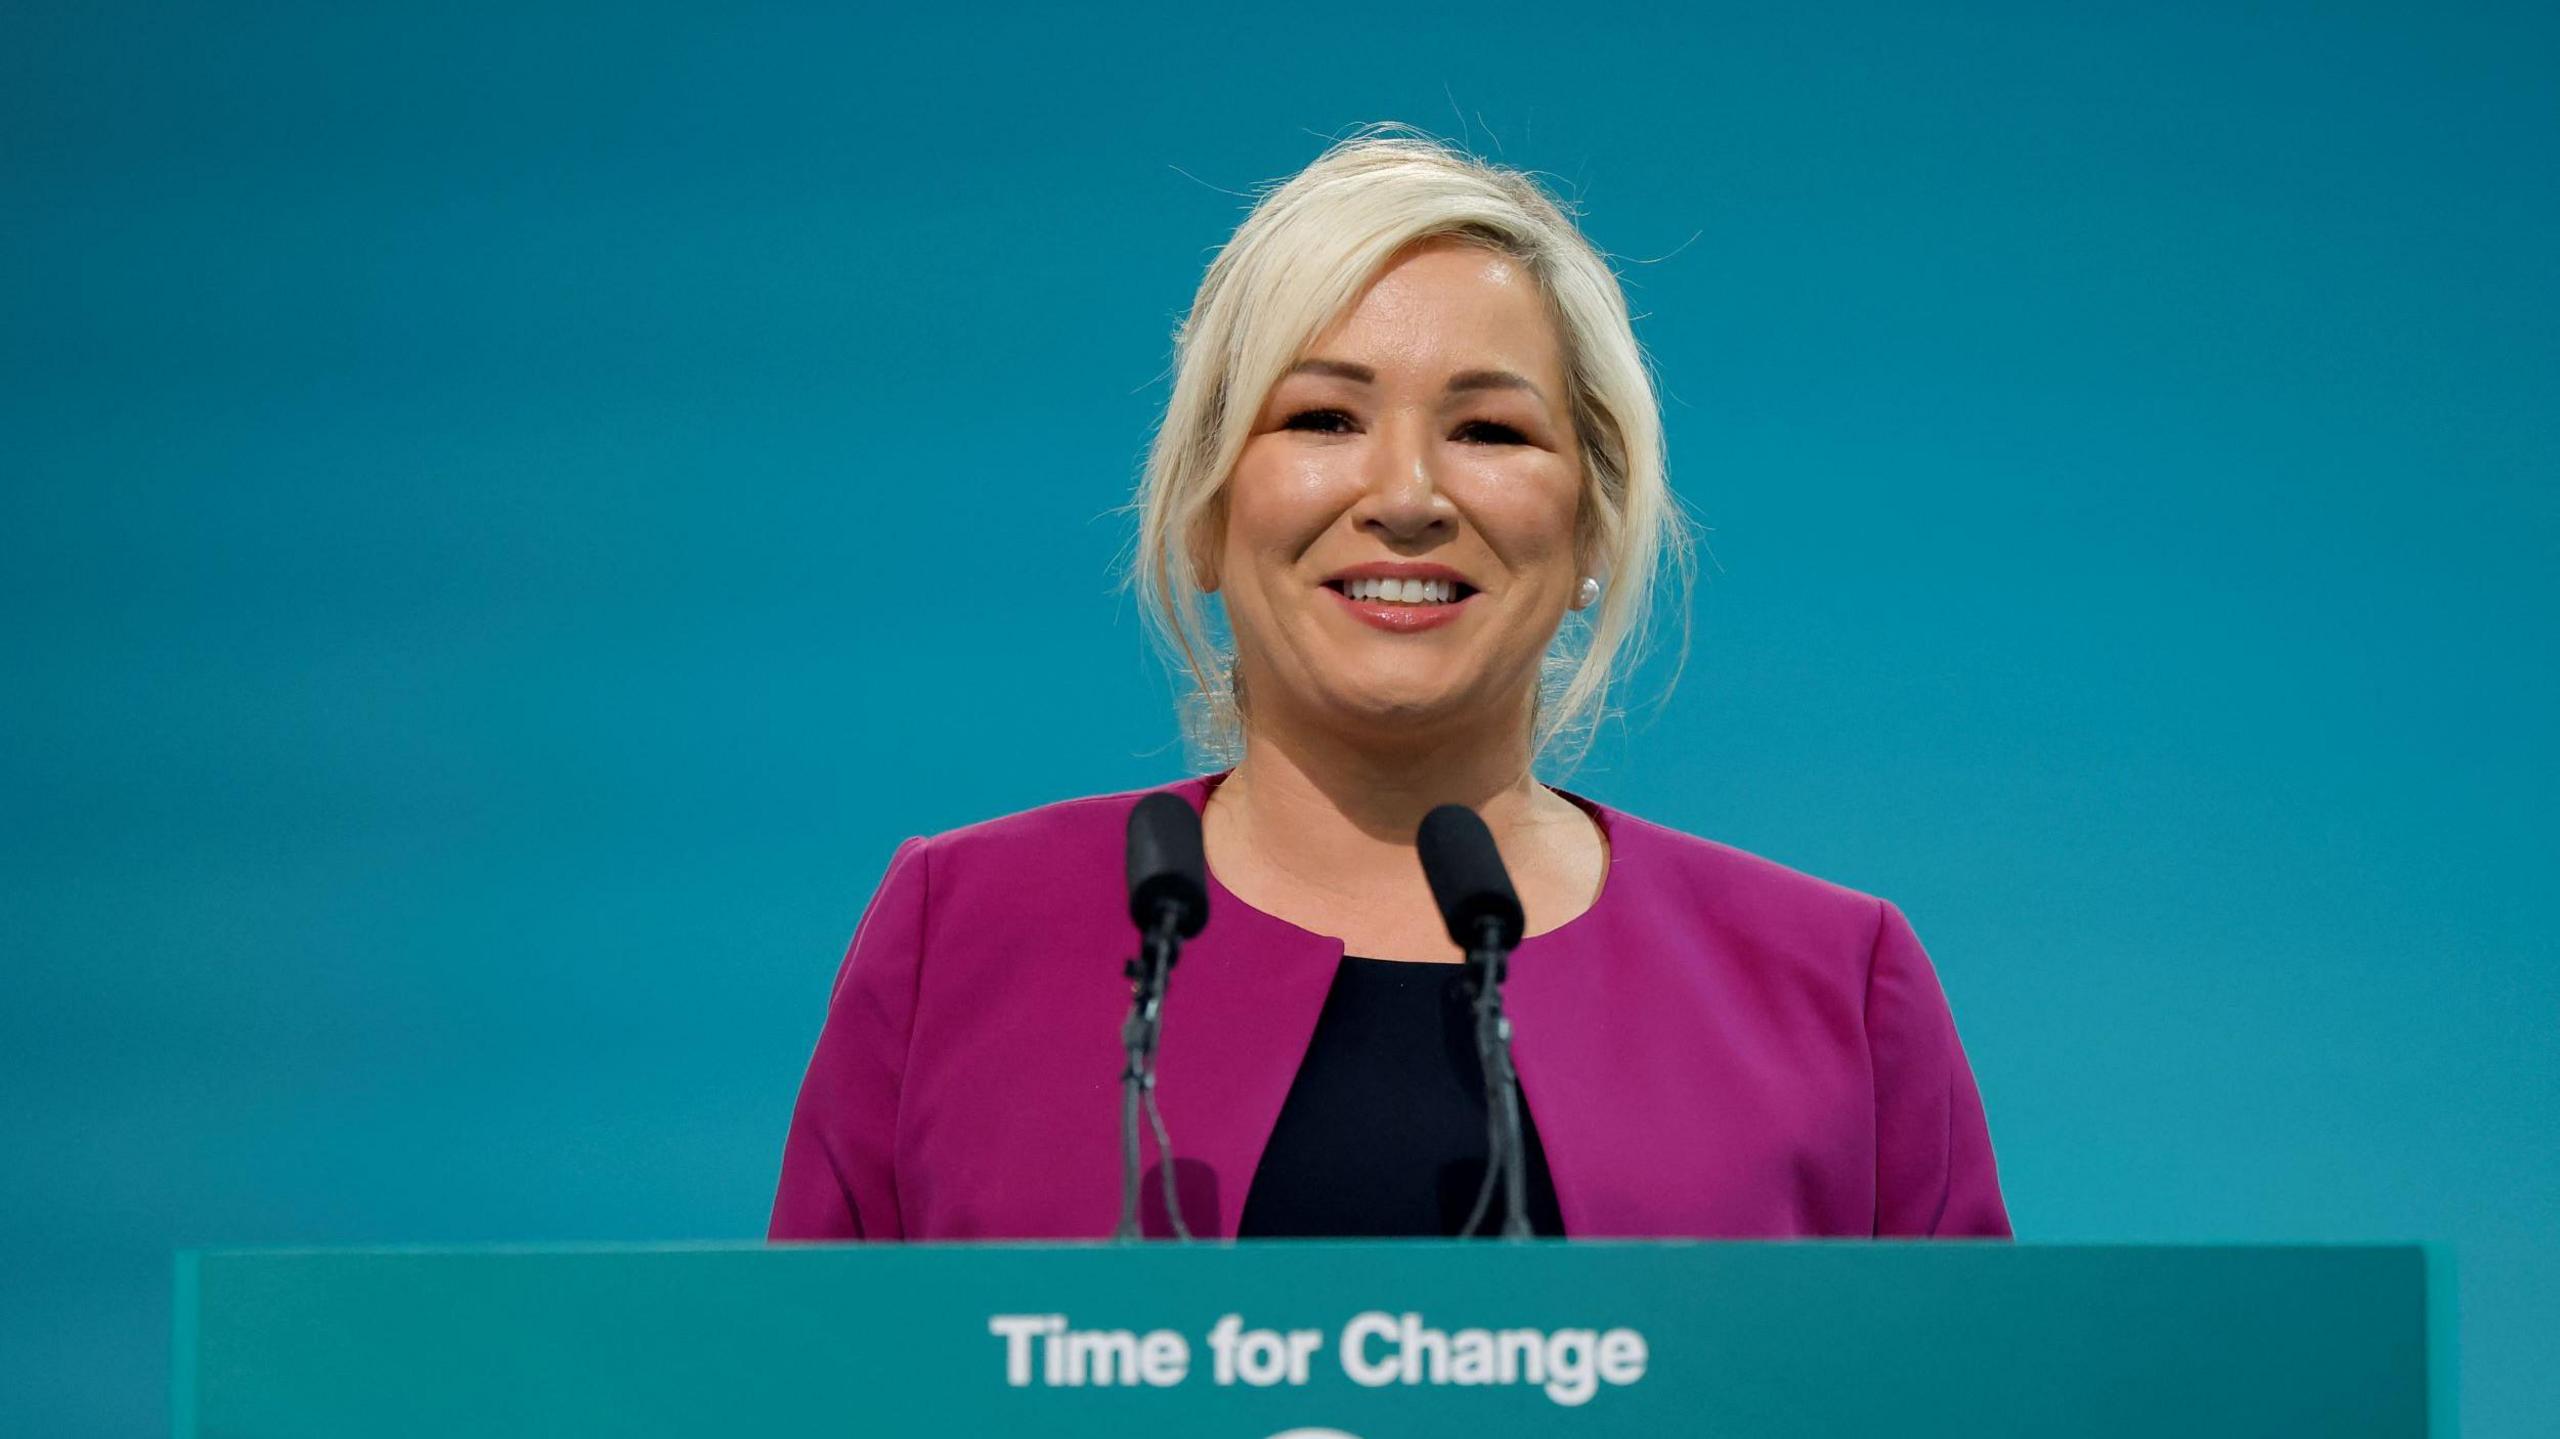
(1350, 960)
(1196, 790)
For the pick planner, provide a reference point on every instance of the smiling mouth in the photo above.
(1402, 592)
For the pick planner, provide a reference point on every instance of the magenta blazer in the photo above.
(1720, 1047)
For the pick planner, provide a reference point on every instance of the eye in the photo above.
(1318, 421)
(1335, 422)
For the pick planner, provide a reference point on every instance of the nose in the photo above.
(1403, 502)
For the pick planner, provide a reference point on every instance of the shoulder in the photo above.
(1691, 880)
(986, 890)
(1048, 832)
(1050, 858)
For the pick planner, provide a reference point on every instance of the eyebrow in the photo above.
(1459, 383)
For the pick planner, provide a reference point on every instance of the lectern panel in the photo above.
(1375, 1340)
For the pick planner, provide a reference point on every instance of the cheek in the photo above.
(1531, 522)
(1278, 509)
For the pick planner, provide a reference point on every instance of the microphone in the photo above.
(1169, 902)
(1167, 868)
(1468, 882)
(1482, 910)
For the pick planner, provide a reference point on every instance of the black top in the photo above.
(1383, 1132)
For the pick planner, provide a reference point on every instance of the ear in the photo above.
(1588, 558)
(1201, 546)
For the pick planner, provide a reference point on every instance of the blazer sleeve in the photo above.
(1935, 1173)
(839, 1160)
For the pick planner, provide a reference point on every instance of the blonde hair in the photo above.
(1301, 258)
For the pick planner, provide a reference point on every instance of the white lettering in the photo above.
(1222, 1348)
(1571, 1365)
(1262, 1359)
(1379, 1349)
(1376, 1349)
(1164, 1359)
(1017, 1332)
(1102, 1356)
(1471, 1357)
(1524, 1360)
(1425, 1350)
(1303, 1343)
(1072, 1358)
(1622, 1356)
(1356, 1364)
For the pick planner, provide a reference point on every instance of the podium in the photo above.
(1318, 1340)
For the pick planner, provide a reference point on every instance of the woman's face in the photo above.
(1400, 532)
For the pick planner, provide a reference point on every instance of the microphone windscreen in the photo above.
(1467, 878)
(1166, 864)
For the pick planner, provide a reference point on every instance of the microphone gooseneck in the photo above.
(1484, 918)
(1169, 902)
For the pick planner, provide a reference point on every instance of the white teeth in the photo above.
(1407, 592)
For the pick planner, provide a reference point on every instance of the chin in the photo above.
(1400, 710)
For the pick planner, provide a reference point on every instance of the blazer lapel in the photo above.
(1239, 1012)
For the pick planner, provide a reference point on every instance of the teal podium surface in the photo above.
(1379, 1340)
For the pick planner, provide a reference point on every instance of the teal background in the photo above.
(511, 512)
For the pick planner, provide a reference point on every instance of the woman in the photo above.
(1413, 448)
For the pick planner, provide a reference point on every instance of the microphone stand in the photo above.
(1158, 947)
(1504, 1156)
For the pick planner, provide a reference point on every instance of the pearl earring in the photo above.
(1586, 594)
